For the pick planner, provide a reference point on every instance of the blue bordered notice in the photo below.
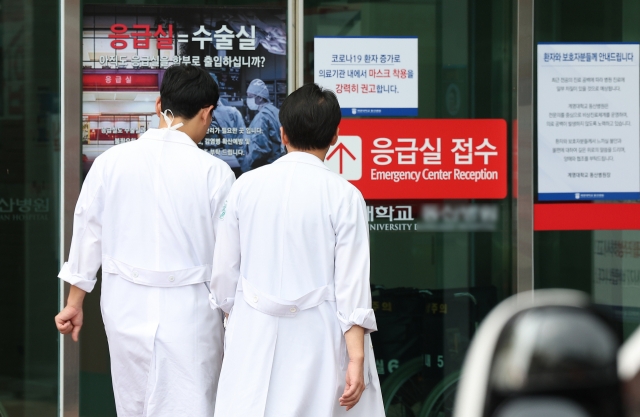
(371, 76)
(588, 121)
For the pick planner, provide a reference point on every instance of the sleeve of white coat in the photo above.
(85, 255)
(353, 292)
(226, 257)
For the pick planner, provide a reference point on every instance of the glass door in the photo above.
(126, 49)
(29, 206)
(597, 251)
(438, 264)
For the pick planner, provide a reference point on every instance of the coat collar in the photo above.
(169, 135)
(303, 157)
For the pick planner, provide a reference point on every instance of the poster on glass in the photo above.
(588, 122)
(126, 50)
(372, 76)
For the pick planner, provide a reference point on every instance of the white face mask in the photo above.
(251, 103)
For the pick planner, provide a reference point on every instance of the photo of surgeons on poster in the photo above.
(126, 50)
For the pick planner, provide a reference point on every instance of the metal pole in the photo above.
(299, 56)
(524, 151)
(70, 142)
(295, 44)
(291, 45)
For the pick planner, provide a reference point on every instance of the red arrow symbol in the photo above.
(342, 149)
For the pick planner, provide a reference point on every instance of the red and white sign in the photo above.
(120, 81)
(423, 158)
(345, 157)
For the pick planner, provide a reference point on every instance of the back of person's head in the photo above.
(186, 89)
(310, 117)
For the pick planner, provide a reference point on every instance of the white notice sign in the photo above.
(370, 76)
(588, 114)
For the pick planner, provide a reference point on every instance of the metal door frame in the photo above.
(70, 143)
(523, 151)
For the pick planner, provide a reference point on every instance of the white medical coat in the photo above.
(148, 213)
(292, 267)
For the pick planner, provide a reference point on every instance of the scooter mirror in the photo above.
(541, 350)
(541, 406)
(629, 373)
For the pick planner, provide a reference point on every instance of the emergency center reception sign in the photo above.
(420, 159)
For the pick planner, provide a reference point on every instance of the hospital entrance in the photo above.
(405, 72)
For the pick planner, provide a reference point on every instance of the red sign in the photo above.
(142, 35)
(115, 81)
(423, 158)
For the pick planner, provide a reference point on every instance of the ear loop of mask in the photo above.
(169, 121)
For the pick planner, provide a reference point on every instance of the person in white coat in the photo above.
(148, 214)
(292, 271)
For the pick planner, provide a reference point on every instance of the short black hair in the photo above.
(186, 89)
(310, 117)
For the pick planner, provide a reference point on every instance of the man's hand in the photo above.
(69, 320)
(355, 384)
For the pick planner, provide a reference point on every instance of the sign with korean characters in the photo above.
(127, 49)
(588, 122)
(372, 76)
(423, 158)
(120, 81)
(219, 38)
(616, 270)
